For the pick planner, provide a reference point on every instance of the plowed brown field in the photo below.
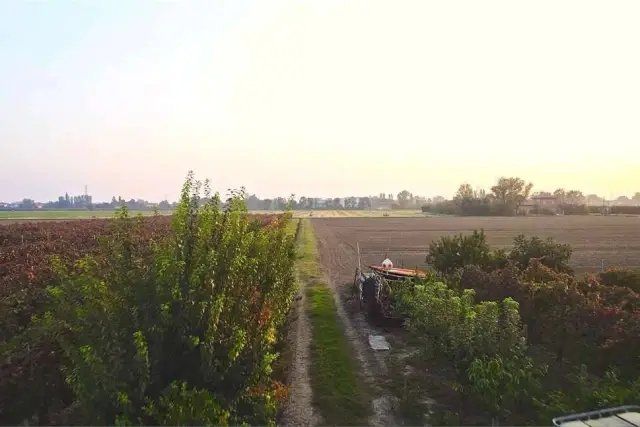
(612, 239)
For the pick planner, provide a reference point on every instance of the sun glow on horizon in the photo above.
(318, 98)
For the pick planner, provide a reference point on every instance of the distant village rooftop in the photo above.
(544, 197)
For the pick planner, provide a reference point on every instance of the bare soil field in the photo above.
(612, 239)
(342, 213)
(616, 240)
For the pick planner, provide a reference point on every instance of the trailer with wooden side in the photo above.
(372, 287)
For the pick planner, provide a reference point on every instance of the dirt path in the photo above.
(338, 261)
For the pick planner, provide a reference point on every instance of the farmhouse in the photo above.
(419, 201)
(546, 201)
(526, 207)
(379, 203)
(535, 204)
(321, 203)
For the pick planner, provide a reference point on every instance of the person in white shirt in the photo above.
(386, 264)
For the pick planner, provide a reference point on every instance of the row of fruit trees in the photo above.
(515, 338)
(145, 321)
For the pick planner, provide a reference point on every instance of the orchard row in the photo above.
(139, 321)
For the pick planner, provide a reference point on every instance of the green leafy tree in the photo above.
(449, 254)
(465, 192)
(511, 192)
(554, 255)
(291, 203)
(574, 197)
(350, 203)
(303, 203)
(404, 198)
(502, 382)
(179, 331)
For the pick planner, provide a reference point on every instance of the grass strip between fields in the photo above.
(338, 391)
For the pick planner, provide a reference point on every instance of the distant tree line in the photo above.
(307, 203)
(85, 202)
(403, 200)
(508, 197)
(135, 204)
(512, 196)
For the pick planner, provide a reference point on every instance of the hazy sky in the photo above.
(317, 98)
